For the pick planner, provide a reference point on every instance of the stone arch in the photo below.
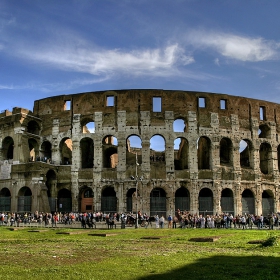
(246, 153)
(226, 150)
(181, 153)
(88, 125)
(248, 202)
(86, 199)
(64, 200)
(265, 156)
(158, 202)
(133, 147)
(65, 148)
(5, 200)
(33, 149)
(129, 199)
(108, 200)
(33, 127)
(180, 125)
(203, 152)
(157, 148)
(110, 151)
(267, 203)
(8, 148)
(46, 151)
(205, 200)
(24, 200)
(87, 152)
(227, 202)
(264, 131)
(182, 199)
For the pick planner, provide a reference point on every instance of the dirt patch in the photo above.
(205, 239)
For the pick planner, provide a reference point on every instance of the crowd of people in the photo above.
(182, 219)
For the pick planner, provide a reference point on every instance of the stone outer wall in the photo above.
(132, 114)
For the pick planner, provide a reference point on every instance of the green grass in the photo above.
(127, 255)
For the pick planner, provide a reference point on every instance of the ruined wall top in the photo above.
(180, 102)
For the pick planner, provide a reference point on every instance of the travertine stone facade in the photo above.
(221, 153)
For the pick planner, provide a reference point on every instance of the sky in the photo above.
(50, 48)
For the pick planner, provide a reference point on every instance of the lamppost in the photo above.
(136, 187)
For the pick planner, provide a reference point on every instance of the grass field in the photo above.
(166, 254)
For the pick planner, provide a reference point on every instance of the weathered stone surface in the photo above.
(55, 160)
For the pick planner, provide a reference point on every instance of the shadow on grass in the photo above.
(224, 267)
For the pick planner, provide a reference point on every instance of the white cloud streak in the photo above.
(159, 62)
(236, 47)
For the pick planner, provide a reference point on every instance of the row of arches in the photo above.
(157, 200)
(133, 143)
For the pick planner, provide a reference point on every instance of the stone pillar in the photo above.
(18, 155)
(55, 144)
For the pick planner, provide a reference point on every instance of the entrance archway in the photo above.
(205, 202)
(248, 202)
(267, 203)
(108, 200)
(129, 195)
(5, 200)
(227, 204)
(182, 199)
(24, 200)
(86, 199)
(158, 202)
(64, 201)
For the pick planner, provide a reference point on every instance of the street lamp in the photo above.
(136, 187)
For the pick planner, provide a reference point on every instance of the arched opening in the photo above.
(129, 196)
(158, 202)
(205, 200)
(8, 148)
(24, 200)
(245, 149)
(264, 130)
(88, 127)
(203, 152)
(248, 202)
(33, 127)
(182, 199)
(46, 151)
(225, 151)
(179, 125)
(33, 149)
(5, 200)
(181, 154)
(227, 204)
(267, 203)
(86, 199)
(65, 148)
(108, 200)
(157, 149)
(265, 158)
(110, 152)
(87, 152)
(133, 147)
(64, 201)
(51, 183)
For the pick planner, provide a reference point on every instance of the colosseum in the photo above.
(151, 150)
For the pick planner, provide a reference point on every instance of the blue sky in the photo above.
(60, 47)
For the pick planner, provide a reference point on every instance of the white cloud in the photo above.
(236, 47)
(159, 62)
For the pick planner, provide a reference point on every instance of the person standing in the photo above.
(161, 222)
(169, 221)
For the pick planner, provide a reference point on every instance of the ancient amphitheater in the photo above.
(149, 150)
